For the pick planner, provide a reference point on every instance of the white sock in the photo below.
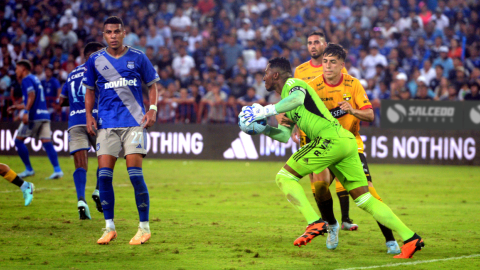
(25, 185)
(145, 225)
(110, 223)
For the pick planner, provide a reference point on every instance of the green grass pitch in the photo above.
(231, 215)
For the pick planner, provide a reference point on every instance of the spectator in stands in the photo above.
(250, 98)
(68, 18)
(66, 37)
(257, 64)
(182, 66)
(372, 60)
(422, 90)
(51, 88)
(231, 51)
(154, 39)
(232, 110)
(245, 32)
(369, 10)
(215, 101)
(474, 92)
(452, 94)
(441, 91)
(180, 23)
(444, 61)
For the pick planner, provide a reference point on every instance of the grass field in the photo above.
(231, 215)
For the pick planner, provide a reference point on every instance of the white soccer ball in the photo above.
(254, 128)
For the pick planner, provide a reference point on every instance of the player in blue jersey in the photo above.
(79, 141)
(116, 74)
(36, 120)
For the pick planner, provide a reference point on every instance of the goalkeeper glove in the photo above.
(256, 112)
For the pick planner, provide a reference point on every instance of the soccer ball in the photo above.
(254, 128)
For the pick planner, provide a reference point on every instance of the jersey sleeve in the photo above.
(56, 85)
(89, 77)
(361, 99)
(148, 73)
(344, 70)
(27, 86)
(64, 92)
(295, 85)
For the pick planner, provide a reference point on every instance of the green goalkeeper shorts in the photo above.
(340, 155)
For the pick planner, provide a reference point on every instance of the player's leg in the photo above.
(135, 149)
(26, 187)
(321, 183)
(344, 200)
(390, 242)
(350, 172)
(108, 148)
(44, 133)
(314, 157)
(78, 146)
(287, 180)
(23, 132)
(96, 192)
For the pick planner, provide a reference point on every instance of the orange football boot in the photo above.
(410, 246)
(141, 237)
(313, 230)
(108, 235)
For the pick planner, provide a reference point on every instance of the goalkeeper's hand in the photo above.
(249, 114)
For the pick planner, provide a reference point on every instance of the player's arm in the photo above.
(151, 116)
(282, 133)
(363, 108)
(363, 114)
(62, 96)
(256, 112)
(89, 103)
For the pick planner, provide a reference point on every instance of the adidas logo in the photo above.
(104, 203)
(242, 148)
(139, 146)
(105, 68)
(143, 205)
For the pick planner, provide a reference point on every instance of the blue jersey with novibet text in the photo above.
(38, 111)
(119, 85)
(74, 91)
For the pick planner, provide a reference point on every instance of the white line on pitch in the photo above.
(169, 184)
(412, 263)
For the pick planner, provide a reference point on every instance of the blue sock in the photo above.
(52, 155)
(80, 180)
(96, 187)
(23, 153)
(141, 192)
(107, 197)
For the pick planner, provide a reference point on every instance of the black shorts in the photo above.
(363, 159)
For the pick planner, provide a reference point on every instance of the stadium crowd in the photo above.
(210, 55)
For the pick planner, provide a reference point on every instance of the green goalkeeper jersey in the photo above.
(313, 117)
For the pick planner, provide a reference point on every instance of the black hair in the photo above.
(281, 63)
(92, 47)
(25, 63)
(316, 33)
(113, 20)
(335, 50)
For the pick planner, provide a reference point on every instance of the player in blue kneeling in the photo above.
(79, 141)
(36, 120)
(117, 72)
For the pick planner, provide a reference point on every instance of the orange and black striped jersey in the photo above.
(307, 71)
(348, 89)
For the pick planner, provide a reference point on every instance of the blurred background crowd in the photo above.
(211, 54)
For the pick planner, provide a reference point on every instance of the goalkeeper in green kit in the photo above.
(331, 146)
